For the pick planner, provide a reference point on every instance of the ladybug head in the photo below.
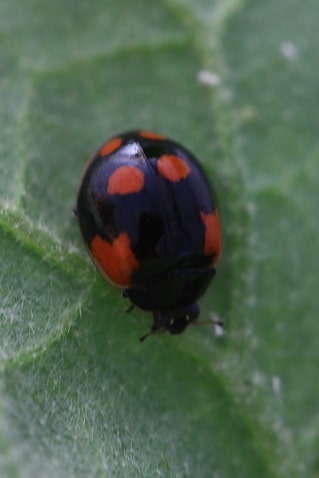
(173, 321)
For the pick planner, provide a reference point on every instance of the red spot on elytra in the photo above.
(110, 146)
(213, 238)
(172, 167)
(151, 135)
(126, 180)
(116, 260)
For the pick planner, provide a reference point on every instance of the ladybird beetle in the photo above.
(149, 220)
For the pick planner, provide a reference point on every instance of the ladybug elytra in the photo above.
(149, 219)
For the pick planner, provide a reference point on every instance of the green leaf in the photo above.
(79, 395)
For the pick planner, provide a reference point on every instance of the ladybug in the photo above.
(149, 220)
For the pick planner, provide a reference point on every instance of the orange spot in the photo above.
(150, 135)
(116, 260)
(126, 180)
(110, 146)
(172, 167)
(213, 239)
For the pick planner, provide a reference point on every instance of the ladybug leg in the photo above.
(75, 211)
(131, 306)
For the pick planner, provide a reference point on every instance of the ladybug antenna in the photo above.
(215, 321)
(153, 331)
(144, 337)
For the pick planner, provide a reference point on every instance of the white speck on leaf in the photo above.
(276, 385)
(210, 78)
(289, 50)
